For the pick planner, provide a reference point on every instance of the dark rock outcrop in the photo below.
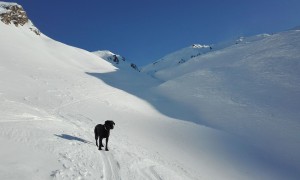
(15, 14)
(11, 13)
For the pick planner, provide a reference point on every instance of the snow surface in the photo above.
(52, 95)
(176, 58)
(190, 53)
(250, 89)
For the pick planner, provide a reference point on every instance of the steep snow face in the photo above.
(251, 89)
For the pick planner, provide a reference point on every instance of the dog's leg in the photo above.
(100, 143)
(106, 149)
(96, 138)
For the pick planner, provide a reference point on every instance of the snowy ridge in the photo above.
(116, 59)
(13, 13)
(177, 58)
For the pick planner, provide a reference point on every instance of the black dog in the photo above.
(102, 131)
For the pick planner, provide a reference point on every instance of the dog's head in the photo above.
(109, 124)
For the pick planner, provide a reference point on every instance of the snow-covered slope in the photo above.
(250, 88)
(177, 58)
(52, 95)
(174, 59)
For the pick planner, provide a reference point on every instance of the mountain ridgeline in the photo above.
(193, 52)
(117, 60)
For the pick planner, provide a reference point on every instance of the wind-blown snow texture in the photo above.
(52, 95)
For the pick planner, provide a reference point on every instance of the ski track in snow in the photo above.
(109, 169)
(79, 160)
(140, 168)
(82, 160)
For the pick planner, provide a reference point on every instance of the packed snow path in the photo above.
(102, 162)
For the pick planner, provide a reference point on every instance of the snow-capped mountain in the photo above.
(117, 60)
(176, 58)
(52, 95)
(192, 52)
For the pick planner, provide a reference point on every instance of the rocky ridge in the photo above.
(12, 13)
(116, 59)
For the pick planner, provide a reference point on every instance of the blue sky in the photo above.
(145, 30)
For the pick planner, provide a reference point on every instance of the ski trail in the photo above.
(114, 165)
(107, 165)
(106, 170)
(110, 168)
(105, 160)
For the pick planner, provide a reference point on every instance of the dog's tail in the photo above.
(96, 134)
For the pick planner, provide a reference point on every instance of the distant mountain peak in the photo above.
(200, 46)
(116, 59)
(13, 13)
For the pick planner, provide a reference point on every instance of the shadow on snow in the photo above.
(72, 138)
(143, 87)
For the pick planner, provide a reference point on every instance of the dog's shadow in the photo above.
(73, 138)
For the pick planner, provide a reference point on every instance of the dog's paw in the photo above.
(106, 150)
